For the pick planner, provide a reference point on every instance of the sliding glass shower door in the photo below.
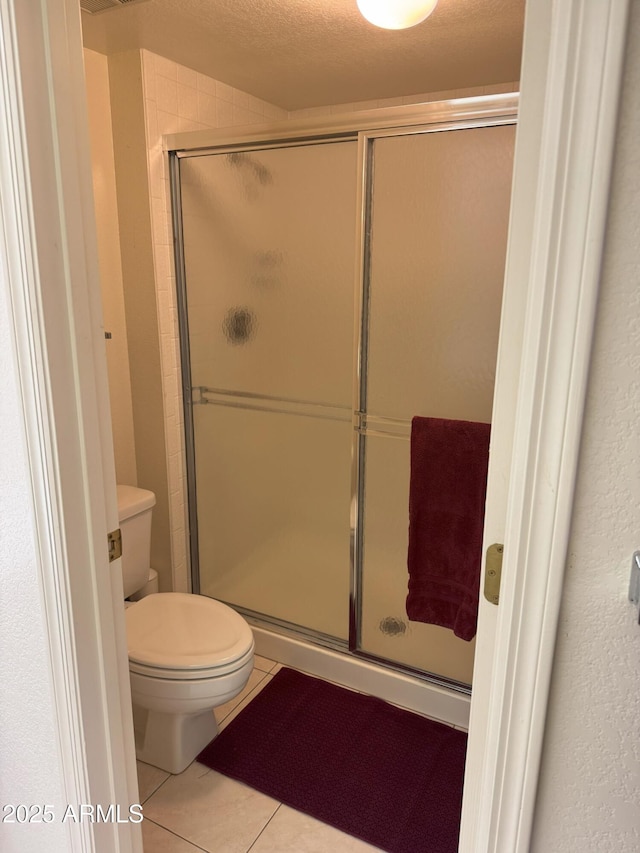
(435, 254)
(332, 289)
(269, 265)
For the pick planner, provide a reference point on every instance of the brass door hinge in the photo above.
(114, 542)
(493, 573)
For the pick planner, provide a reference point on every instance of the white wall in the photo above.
(589, 790)
(107, 227)
(30, 766)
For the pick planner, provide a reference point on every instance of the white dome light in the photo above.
(396, 14)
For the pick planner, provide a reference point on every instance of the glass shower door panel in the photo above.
(269, 261)
(273, 508)
(386, 631)
(435, 291)
(440, 209)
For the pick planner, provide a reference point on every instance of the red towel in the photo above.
(449, 462)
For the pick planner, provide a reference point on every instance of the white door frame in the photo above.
(48, 243)
(572, 68)
(570, 82)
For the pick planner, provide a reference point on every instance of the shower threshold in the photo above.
(331, 659)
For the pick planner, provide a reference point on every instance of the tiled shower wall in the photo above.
(176, 100)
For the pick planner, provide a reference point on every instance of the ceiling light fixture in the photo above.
(396, 14)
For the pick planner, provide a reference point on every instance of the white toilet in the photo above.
(187, 653)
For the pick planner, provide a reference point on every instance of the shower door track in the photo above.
(490, 109)
(463, 114)
(299, 632)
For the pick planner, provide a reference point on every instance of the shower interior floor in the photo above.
(299, 575)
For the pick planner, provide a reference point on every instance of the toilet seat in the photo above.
(201, 674)
(180, 636)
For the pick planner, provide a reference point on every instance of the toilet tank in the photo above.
(134, 513)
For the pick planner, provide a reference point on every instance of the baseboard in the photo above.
(447, 706)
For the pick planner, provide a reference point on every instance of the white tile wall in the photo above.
(178, 99)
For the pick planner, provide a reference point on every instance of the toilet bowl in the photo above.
(187, 653)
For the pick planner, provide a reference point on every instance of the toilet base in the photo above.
(172, 741)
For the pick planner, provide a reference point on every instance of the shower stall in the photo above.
(334, 280)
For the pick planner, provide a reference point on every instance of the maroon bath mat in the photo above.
(382, 774)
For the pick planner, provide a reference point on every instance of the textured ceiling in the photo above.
(305, 53)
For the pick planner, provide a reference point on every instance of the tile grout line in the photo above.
(181, 837)
(155, 790)
(246, 699)
(253, 843)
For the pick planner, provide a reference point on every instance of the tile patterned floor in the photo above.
(201, 810)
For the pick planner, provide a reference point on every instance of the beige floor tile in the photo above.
(290, 831)
(149, 779)
(155, 839)
(209, 810)
(264, 664)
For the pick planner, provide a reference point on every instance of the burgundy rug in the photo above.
(382, 774)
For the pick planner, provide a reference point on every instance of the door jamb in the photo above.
(571, 76)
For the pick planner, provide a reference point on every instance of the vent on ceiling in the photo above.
(95, 6)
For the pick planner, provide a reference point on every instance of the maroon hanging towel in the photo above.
(447, 491)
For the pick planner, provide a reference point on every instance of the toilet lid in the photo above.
(176, 630)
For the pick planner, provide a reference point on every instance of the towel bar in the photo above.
(201, 395)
